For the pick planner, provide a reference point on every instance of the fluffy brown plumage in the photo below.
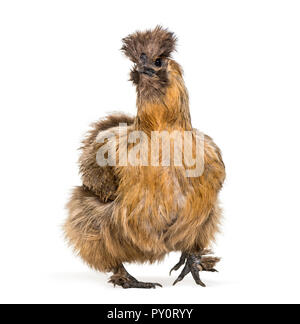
(141, 213)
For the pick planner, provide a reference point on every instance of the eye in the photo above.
(143, 57)
(158, 62)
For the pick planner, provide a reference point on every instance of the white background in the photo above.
(61, 69)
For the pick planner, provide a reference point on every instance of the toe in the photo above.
(173, 269)
(158, 285)
(153, 285)
(177, 280)
(200, 283)
(148, 285)
(138, 284)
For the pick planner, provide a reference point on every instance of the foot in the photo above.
(194, 263)
(122, 278)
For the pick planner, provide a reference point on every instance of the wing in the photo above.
(103, 181)
(214, 169)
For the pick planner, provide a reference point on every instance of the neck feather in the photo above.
(167, 111)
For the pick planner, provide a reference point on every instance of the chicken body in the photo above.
(141, 213)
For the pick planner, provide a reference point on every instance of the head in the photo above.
(150, 51)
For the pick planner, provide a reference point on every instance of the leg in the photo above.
(122, 278)
(195, 262)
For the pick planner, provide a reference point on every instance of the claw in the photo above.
(199, 282)
(179, 264)
(184, 272)
(195, 273)
(194, 263)
(173, 269)
(177, 280)
(158, 285)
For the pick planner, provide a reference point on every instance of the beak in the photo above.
(146, 70)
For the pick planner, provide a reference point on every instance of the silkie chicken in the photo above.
(140, 213)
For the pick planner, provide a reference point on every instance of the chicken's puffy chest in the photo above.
(153, 200)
